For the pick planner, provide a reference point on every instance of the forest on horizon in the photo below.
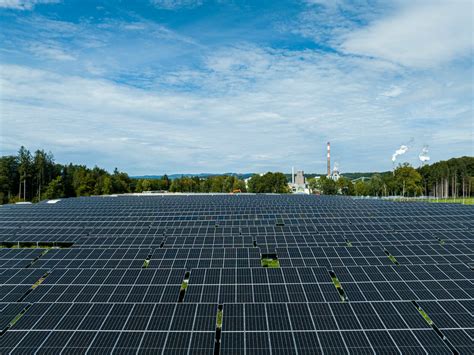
(35, 177)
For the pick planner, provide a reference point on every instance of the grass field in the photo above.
(270, 263)
(465, 201)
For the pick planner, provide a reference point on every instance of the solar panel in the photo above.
(234, 274)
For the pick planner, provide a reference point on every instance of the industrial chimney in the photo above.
(329, 159)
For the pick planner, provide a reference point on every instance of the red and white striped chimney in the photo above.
(329, 159)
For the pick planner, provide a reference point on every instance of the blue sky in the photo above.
(184, 86)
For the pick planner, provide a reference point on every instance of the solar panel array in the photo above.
(236, 274)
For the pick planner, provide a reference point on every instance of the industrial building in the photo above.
(298, 182)
(334, 174)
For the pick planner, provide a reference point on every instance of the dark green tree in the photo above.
(361, 188)
(9, 178)
(55, 188)
(268, 183)
(407, 180)
(328, 186)
(345, 186)
(24, 170)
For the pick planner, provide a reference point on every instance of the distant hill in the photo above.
(353, 176)
(201, 175)
(350, 176)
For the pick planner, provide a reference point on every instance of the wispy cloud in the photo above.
(326, 21)
(50, 50)
(394, 91)
(134, 51)
(24, 4)
(176, 4)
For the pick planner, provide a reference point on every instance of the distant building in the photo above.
(298, 183)
(335, 174)
(299, 178)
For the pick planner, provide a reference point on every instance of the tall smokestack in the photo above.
(292, 175)
(329, 159)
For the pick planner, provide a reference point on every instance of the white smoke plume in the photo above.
(424, 157)
(400, 151)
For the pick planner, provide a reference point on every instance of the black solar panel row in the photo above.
(147, 274)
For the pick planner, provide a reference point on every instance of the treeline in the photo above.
(449, 178)
(452, 178)
(215, 184)
(35, 177)
(269, 183)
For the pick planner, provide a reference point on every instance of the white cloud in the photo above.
(24, 4)
(50, 50)
(394, 91)
(134, 26)
(176, 4)
(250, 103)
(226, 107)
(326, 3)
(110, 48)
(419, 34)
